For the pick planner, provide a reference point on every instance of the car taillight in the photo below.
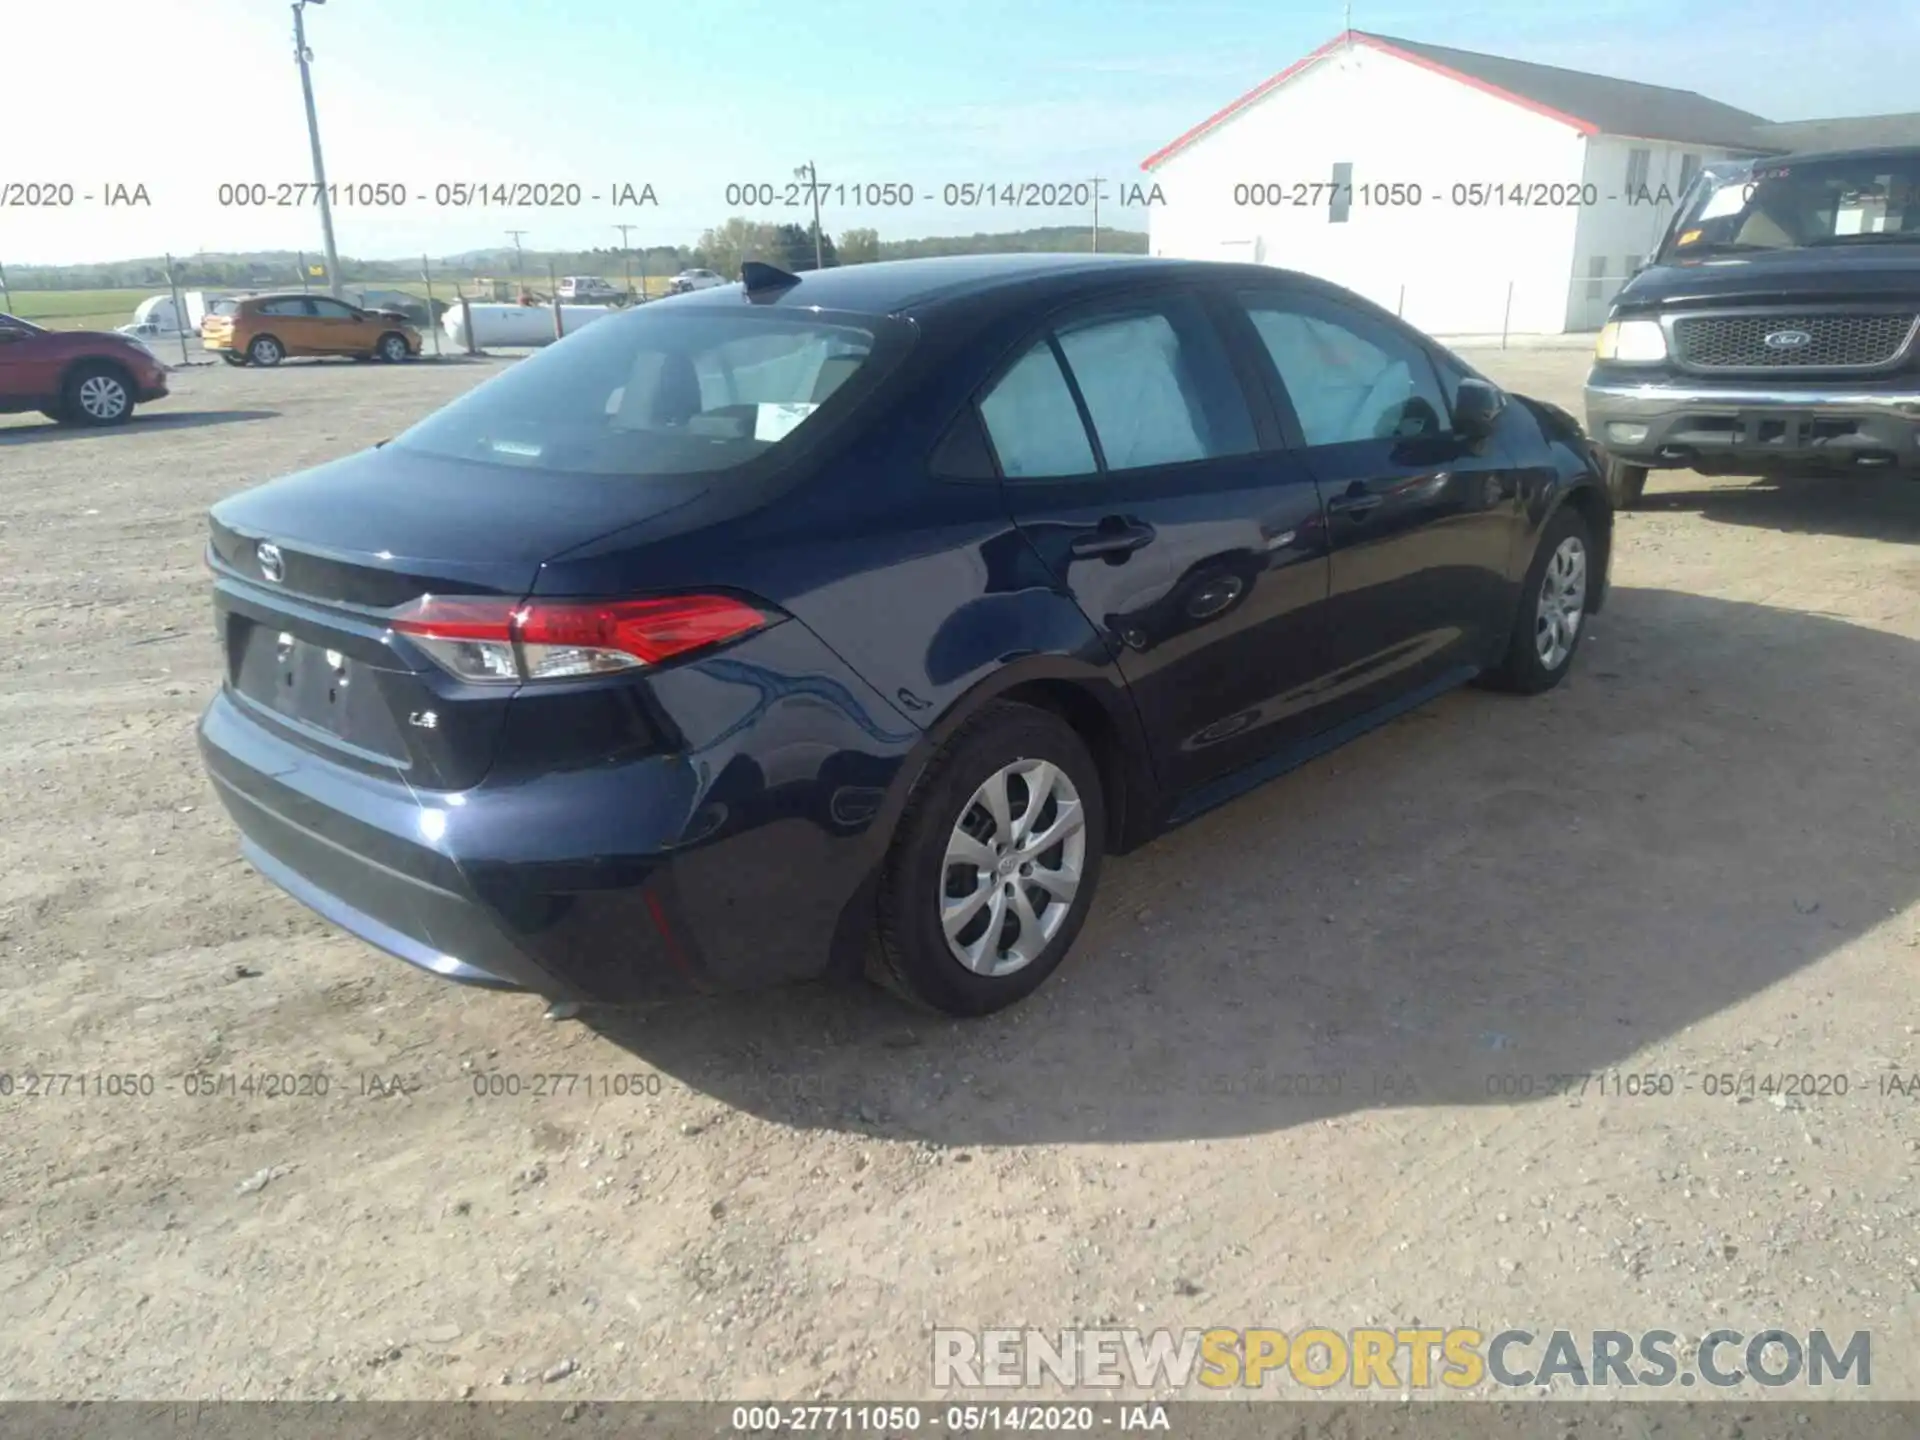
(499, 641)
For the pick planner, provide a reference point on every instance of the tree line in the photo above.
(721, 248)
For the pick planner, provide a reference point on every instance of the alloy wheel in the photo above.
(1562, 604)
(1012, 867)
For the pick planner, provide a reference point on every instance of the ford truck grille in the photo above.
(1775, 342)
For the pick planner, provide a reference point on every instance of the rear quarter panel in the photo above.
(923, 587)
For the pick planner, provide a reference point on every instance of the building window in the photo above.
(1639, 162)
(1596, 276)
(1342, 193)
(1689, 167)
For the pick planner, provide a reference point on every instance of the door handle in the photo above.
(1115, 539)
(1355, 502)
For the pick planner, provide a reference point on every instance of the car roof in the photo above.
(891, 287)
(1865, 152)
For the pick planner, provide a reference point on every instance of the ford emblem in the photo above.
(272, 564)
(1787, 340)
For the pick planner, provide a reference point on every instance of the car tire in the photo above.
(233, 358)
(1625, 483)
(392, 347)
(1555, 602)
(265, 350)
(96, 393)
(1017, 919)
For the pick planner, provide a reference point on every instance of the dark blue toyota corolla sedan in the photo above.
(843, 621)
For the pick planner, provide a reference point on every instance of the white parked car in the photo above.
(587, 290)
(694, 280)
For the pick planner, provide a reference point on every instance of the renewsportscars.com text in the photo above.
(1400, 1359)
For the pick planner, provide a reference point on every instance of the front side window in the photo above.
(333, 310)
(652, 392)
(1349, 378)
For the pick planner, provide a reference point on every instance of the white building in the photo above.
(1470, 193)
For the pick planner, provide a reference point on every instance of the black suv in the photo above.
(1776, 329)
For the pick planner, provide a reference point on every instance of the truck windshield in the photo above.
(1789, 205)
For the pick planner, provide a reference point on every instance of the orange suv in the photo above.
(265, 329)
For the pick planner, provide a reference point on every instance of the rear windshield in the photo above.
(1787, 205)
(655, 392)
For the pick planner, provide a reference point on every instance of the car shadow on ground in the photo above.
(140, 424)
(1485, 895)
(1866, 506)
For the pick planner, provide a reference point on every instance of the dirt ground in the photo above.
(1296, 1072)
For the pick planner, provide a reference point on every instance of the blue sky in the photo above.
(182, 95)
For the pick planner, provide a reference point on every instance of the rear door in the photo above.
(1145, 469)
(290, 320)
(1420, 519)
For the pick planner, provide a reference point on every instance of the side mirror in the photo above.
(1477, 408)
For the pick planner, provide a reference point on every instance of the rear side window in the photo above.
(1158, 392)
(1156, 382)
(653, 392)
(1032, 420)
(294, 306)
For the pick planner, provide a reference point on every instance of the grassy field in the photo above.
(78, 309)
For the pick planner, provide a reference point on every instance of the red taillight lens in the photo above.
(498, 641)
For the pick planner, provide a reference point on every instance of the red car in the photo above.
(78, 377)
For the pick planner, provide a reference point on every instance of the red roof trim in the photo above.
(1245, 100)
(1260, 91)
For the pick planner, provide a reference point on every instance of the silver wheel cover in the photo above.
(1012, 867)
(1562, 603)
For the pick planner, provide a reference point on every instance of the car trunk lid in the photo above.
(310, 570)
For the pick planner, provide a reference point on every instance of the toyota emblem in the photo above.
(1786, 339)
(273, 565)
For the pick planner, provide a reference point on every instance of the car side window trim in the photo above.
(1276, 423)
(1100, 466)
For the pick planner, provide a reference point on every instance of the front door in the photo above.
(1420, 519)
(339, 329)
(22, 377)
(1143, 465)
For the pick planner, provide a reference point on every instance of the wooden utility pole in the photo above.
(626, 259)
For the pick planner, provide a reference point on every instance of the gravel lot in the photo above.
(1695, 859)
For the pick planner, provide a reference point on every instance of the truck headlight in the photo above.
(1631, 342)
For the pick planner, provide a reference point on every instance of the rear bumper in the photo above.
(731, 866)
(1754, 428)
(354, 848)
